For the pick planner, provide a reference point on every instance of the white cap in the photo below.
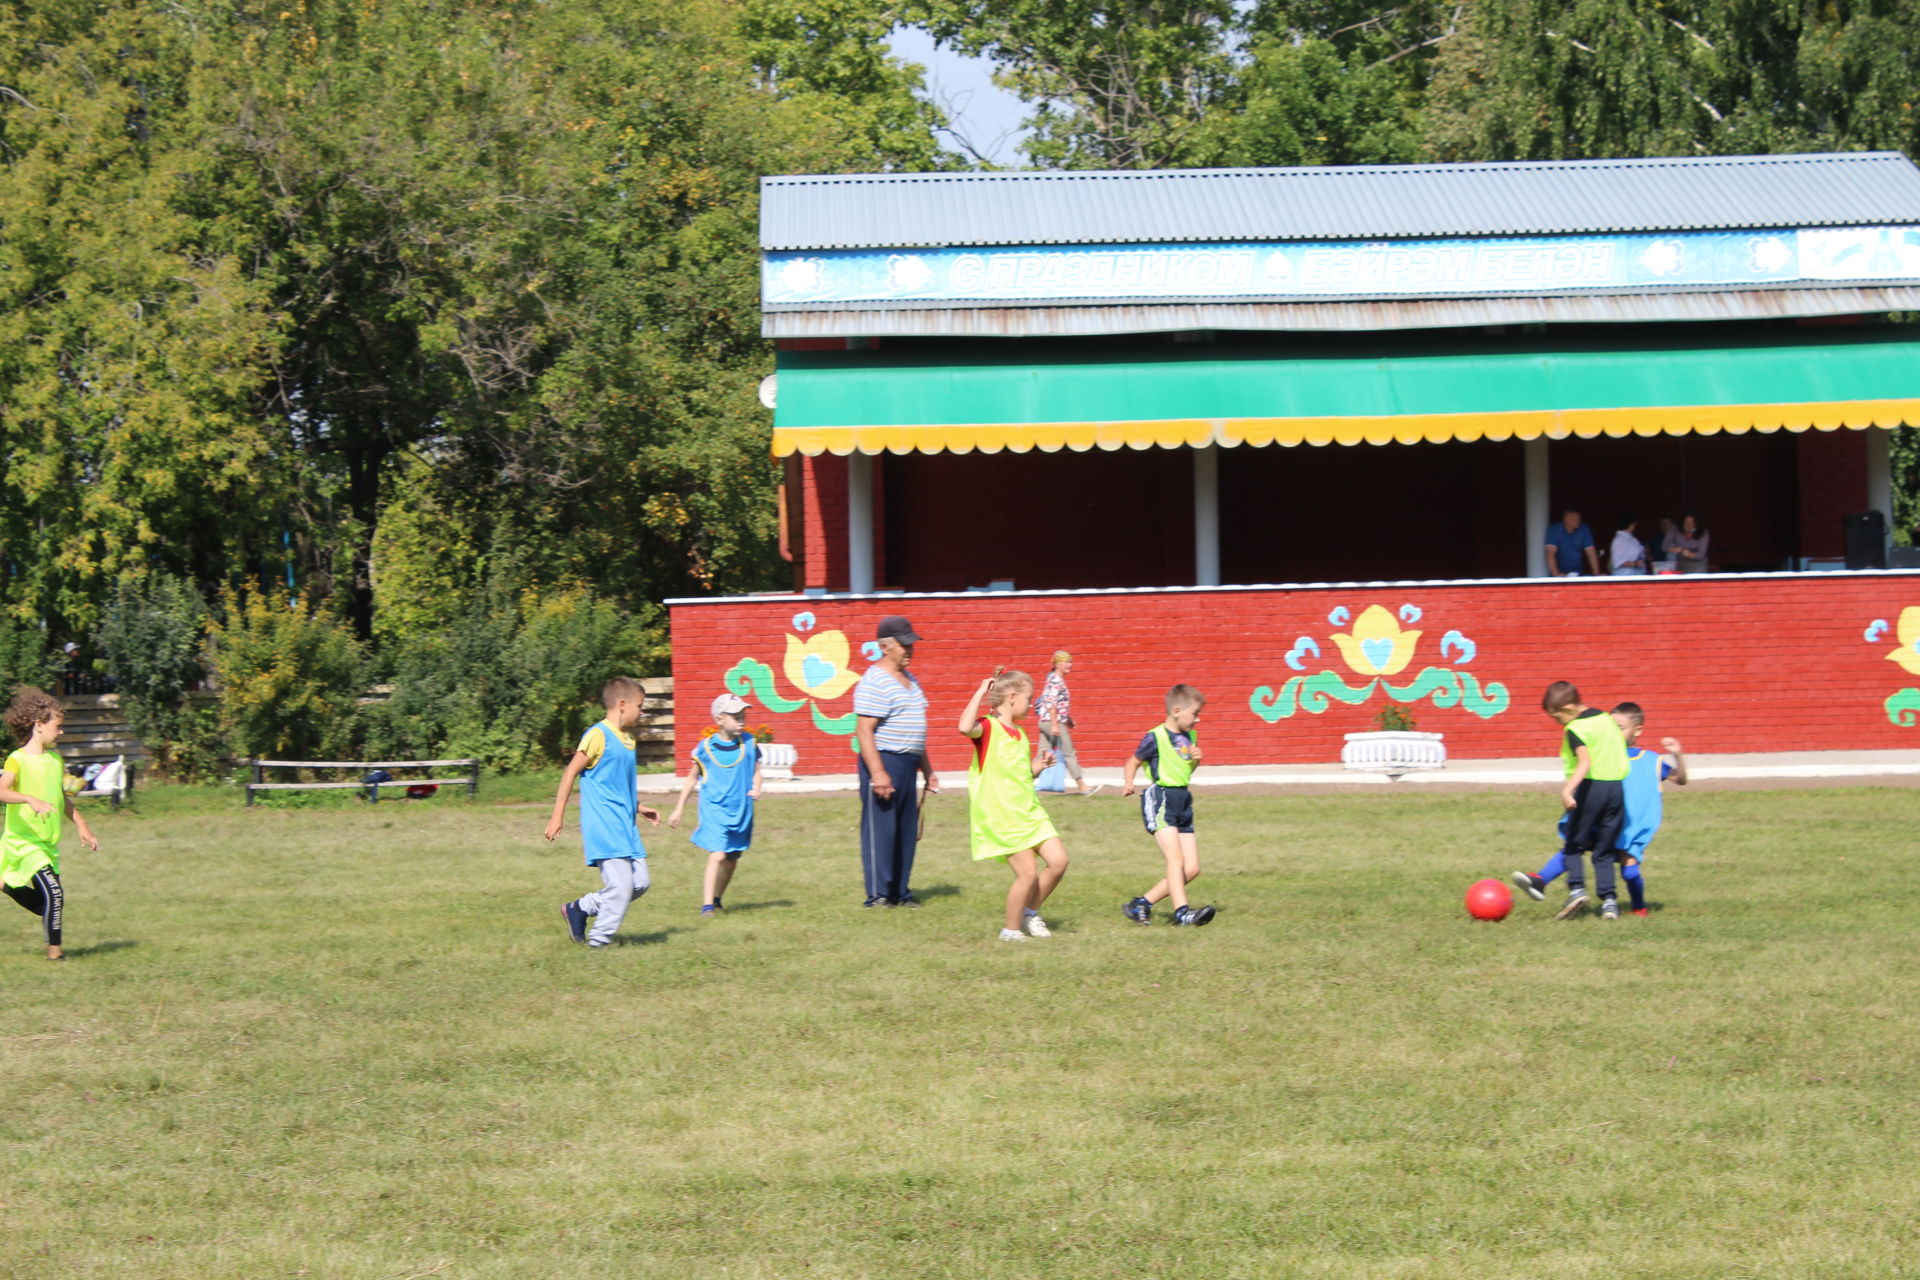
(729, 704)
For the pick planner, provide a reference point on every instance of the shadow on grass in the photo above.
(99, 948)
(937, 891)
(733, 908)
(644, 939)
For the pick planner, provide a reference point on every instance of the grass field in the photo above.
(348, 1042)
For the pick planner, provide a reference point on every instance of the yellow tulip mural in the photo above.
(1902, 705)
(820, 666)
(1377, 646)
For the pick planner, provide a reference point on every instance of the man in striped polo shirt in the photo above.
(892, 732)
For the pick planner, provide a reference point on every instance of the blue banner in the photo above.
(1390, 269)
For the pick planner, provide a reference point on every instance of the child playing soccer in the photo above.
(1008, 820)
(1646, 770)
(1171, 752)
(30, 787)
(610, 813)
(1594, 795)
(726, 768)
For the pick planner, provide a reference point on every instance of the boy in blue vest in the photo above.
(726, 768)
(1646, 770)
(1594, 752)
(1171, 752)
(610, 813)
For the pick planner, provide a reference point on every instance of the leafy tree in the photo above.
(1125, 85)
(1571, 79)
(133, 338)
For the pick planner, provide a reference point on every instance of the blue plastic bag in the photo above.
(1051, 778)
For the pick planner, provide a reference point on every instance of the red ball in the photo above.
(1489, 900)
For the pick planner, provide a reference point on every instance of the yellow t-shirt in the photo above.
(592, 744)
(32, 840)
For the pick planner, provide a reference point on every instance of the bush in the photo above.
(153, 637)
(25, 657)
(290, 678)
(513, 682)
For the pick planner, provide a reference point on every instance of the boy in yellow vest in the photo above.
(1008, 821)
(30, 788)
(1594, 752)
(1171, 752)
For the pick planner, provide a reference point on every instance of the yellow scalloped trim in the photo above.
(1531, 424)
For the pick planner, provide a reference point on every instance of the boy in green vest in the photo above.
(1171, 752)
(1594, 752)
(30, 788)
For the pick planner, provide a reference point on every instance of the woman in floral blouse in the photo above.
(1055, 713)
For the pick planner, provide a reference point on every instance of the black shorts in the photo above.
(1167, 807)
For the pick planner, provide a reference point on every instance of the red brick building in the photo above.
(1296, 436)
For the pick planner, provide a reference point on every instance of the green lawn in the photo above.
(354, 1043)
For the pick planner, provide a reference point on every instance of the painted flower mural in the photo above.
(1903, 705)
(819, 667)
(1379, 644)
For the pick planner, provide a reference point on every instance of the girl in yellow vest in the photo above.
(1007, 818)
(31, 791)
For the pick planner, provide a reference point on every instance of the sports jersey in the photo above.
(726, 810)
(1005, 813)
(1606, 746)
(32, 840)
(609, 795)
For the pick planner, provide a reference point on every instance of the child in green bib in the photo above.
(30, 788)
(1008, 821)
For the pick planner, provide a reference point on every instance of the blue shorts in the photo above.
(1170, 808)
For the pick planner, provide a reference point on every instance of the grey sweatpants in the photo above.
(622, 880)
(1061, 744)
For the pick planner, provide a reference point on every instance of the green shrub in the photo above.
(514, 681)
(25, 656)
(153, 636)
(290, 678)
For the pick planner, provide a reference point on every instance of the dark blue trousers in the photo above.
(890, 829)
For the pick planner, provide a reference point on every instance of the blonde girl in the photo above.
(1008, 821)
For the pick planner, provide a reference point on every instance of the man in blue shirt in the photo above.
(1570, 547)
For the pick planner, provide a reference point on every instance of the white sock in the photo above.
(1007, 935)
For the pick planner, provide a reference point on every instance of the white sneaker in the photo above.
(1036, 926)
(1012, 935)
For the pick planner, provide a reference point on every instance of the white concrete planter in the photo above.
(777, 760)
(1394, 752)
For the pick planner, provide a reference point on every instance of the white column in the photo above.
(1880, 473)
(1206, 516)
(1537, 513)
(860, 523)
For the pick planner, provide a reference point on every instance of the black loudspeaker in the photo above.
(1867, 541)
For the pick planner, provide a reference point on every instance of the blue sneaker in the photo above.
(1193, 917)
(1140, 911)
(709, 911)
(576, 920)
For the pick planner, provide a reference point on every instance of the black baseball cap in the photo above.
(895, 627)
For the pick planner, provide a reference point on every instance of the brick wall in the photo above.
(1726, 664)
(1833, 486)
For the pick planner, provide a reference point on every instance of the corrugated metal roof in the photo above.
(862, 211)
(1336, 316)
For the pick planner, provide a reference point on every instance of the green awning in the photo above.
(933, 400)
